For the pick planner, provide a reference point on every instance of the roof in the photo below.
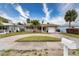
(50, 25)
(7, 24)
(45, 25)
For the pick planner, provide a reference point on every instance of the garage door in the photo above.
(51, 30)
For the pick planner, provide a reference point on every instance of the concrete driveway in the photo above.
(9, 43)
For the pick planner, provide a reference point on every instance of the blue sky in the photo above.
(50, 12)
(35, 9)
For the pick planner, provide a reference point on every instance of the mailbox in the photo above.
(69, 44)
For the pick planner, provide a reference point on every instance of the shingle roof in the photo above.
(49, 25)
(46, 25)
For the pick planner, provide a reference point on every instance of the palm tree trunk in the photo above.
(41, 28)
(35, 28)
(69, 24)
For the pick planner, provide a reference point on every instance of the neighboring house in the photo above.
(10, 27)
(3, 28)
(6, 28)
(63, 28)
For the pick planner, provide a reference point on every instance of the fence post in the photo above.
(65, 52)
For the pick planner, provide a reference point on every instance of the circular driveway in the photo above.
(9, 43)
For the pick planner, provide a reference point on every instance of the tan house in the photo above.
(50, 28)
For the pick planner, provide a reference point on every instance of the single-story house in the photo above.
(6, 28)
(50, 28)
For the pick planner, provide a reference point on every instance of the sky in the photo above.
(49, 12)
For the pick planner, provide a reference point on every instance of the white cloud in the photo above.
(58, 20)
(64, 7)
(61, 21)
(14, 20)
(3, 14)
(46, 12)
(23, 13)
(73, 6)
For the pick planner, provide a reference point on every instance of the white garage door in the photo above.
(51, 30)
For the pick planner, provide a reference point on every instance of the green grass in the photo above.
(17, 33)
(38, 39)
(71, 35)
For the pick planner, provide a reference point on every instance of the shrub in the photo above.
(22, 30)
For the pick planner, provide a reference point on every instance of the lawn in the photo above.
(71, 35)
(17, 33)
(38, 39)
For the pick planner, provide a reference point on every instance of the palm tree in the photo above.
(42, 21)
(42, 26)
(70, 16)
(19, 23)
(35, 24)
(28, 20)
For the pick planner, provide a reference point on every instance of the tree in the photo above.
(28, 20)
(35, 24)
(70, 16)
(42, 21)
(47, 22)
(42, 26)
(19, 23)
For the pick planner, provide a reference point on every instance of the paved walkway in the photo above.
(9, 43)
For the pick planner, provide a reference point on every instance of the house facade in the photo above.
(7, 28)
(50, 28)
